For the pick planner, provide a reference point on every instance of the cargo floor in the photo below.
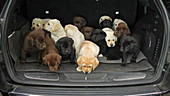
(104, 66)
(107, 70)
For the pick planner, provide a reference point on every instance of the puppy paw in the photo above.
(124, 65)
(72, 62)
(22, 61)
(133, 61)
(78, 69)
(59, 66)
(101, 55)
(41, 64)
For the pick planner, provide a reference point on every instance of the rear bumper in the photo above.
(104, 91)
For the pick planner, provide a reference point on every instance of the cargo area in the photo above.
(140, 15)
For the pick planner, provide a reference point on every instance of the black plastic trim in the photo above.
(103, 91)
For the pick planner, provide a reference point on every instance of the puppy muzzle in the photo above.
(87, 72)
(66, 51)
(32, 28)
(111, 45)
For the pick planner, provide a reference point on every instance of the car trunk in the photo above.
(140, 15)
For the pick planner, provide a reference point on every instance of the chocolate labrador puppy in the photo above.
(87, 32)
(51, 55)
(34, 42)
(79, 21)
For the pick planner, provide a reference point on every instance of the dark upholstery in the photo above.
(65, 10)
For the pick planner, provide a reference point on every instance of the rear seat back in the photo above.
(65, 10)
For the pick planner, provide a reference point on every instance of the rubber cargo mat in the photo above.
(142, 65)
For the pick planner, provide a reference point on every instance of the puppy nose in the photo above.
(33, 28)
(66, 51)
(86, 72)
(44, 46)
(111, 45)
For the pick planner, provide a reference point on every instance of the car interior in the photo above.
(142, 16)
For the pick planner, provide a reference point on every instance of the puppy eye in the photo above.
(77, 22)
(87, 31)
(108, 40)
(115, 24)
(38, 25)
(48, 23)
(60, 46)
(33, 23)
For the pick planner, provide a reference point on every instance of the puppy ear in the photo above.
(44, 60)
(132, 44)
(96, 63)
(103, 34)
(58, 45)
(58, 58)
(71, 41)
(127, 31)
(84, 22)
(80, 60)
(82, 30)
(56, 27)
(74, 19)
(115, 38)
(31, 41)
(132, 41)
(92, 29)
(100, 24)
(110, 19)
(116, 33)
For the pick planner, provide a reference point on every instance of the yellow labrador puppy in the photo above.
(110, 38)
(105, 17)
(87, 57)
(37, 23)
(55, 28)
(73, 32)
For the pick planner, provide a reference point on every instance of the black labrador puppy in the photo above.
(98, 37)
(65, 48)
(114, 53)
(106, 24)
(130, 45)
